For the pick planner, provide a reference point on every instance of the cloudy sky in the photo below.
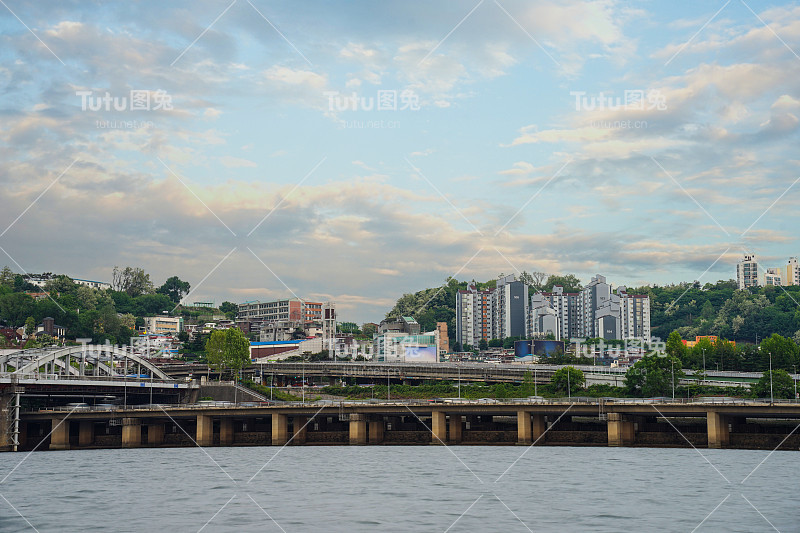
(652, 142)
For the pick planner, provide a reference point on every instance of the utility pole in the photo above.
(771, 396)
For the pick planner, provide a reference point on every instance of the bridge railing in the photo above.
(41, 376)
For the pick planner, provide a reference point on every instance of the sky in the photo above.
(357, 151)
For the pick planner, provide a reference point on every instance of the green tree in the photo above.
(496, 343)
(230, 309)
(6, 277)
(782, 385)
(568, 379)
(457, 347)
(61, 284)
(483, 345)
(42, 341)
(30, 326)
(675, 347)
(653, 376)
(133, 281)
(784, 352)
(535, 279)
(368, 329)
(228, 349)
(175, 289)
(86, 298)
(570, 283)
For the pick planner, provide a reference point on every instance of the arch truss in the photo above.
(84, 360)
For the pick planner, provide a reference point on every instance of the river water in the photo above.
(399, 488)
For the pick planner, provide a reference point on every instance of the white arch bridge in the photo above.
(87, 361)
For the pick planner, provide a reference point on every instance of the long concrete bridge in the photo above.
(603, 422)
(468, 372)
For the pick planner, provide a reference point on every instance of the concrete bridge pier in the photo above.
(524, 428)
(280, 429)
(59, 436)
(155, 434)
(620, 431)
(226, 431)
(719, 435)
(205, 430)
(86, 433)
(299, 429)
(438, 427)
(376, 429)
(131, 432)
(358, 429)
(456, 428)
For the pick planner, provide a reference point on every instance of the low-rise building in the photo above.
(163, 325)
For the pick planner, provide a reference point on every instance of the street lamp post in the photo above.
(704, 366)
(771, 396)
(459, 380)
(569, 391)
(673, 378)
(304, 377)
(794, 378)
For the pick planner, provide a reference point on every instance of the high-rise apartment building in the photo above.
(792, 276)
(495, 313)
(474, 312)
(595, 311)
(773, 276)
(747, 272)
(510, 308)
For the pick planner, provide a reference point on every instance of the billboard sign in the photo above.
(547, 348)
(420, 354)
(523, 351)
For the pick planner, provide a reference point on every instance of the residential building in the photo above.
(565, 305)
(747, 272)
(635, 315)
(404, 324)
(99, 285)
(163, 325)
(792, 272)
(594, 302)
(510, 309)
(496, 313)
(282, 330)
(291, 309)
(597, 311)
(49, 327)
(773, 277)
(544, 319)
(444, 340)
(474, 313)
